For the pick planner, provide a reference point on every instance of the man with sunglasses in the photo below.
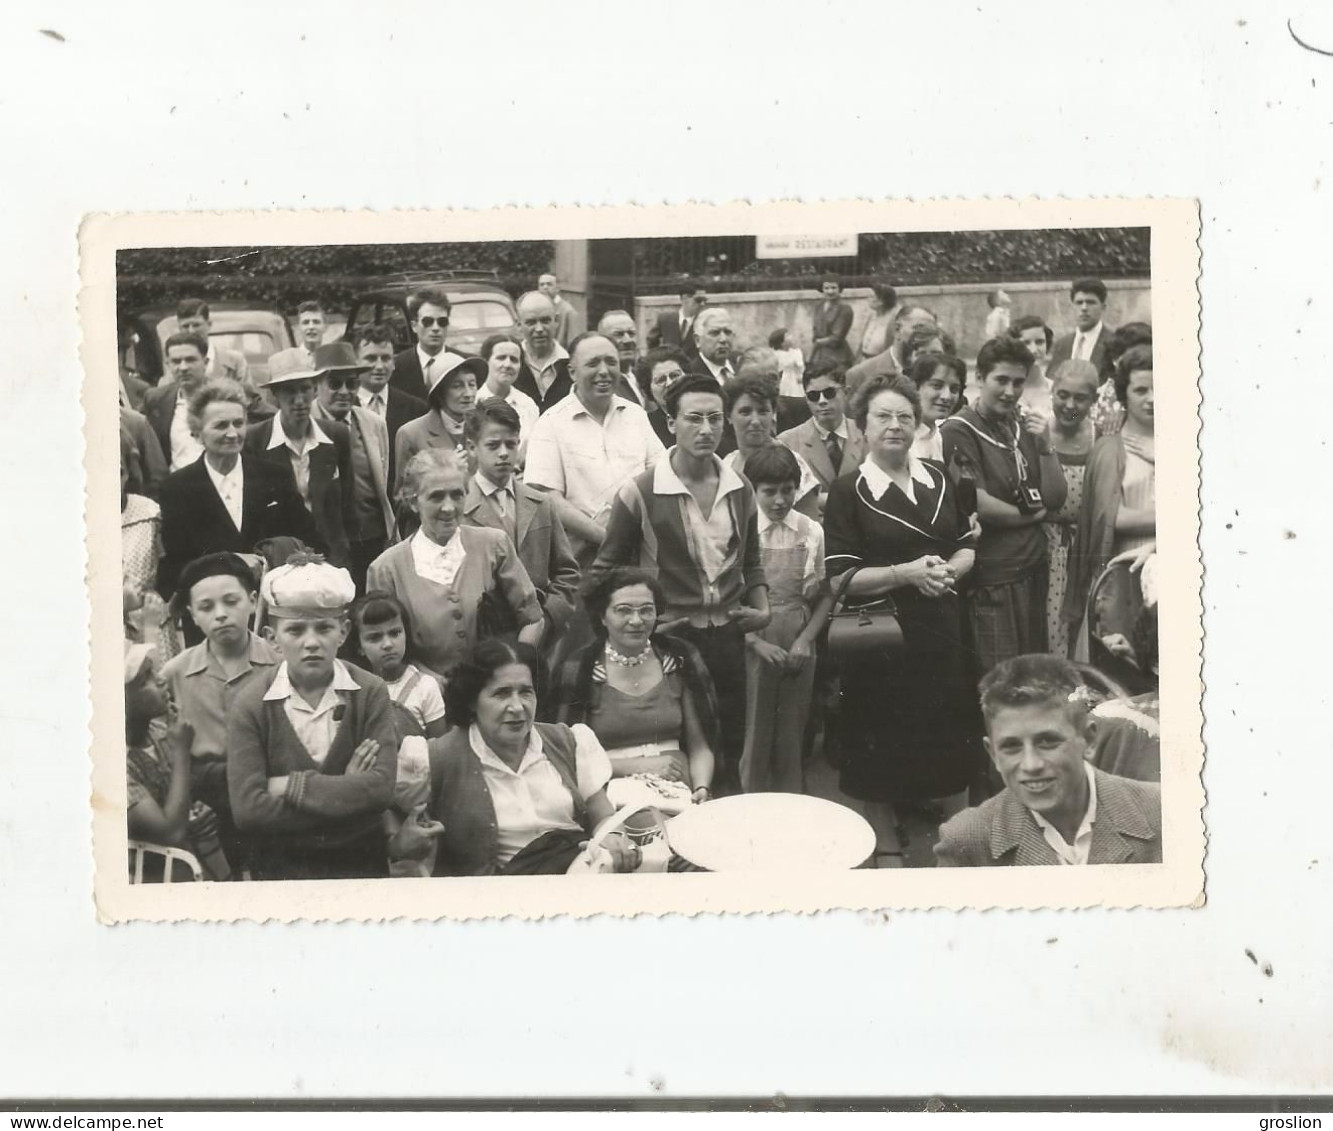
(428, 311)
(829, 442)
(370, 516)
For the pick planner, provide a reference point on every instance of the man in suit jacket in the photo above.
(374, 351)
(370, 526)
(146, 466)
(1055, 807)
(194, 317)
(829, 442)
(319, 455)
(428, 310)
(544, 371)
(676, 327)
(833, 322)
(167, 405)
(714, 340)
(496, 498)
(1091, 338)
(566, 317)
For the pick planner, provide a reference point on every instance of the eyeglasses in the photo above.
(644, 612)
(351, 381)
(698, 419)
(906, 419)
(430, 321)
(814, 396)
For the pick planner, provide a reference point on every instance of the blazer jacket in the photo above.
(666, 332)
(228, 363)
(833, 321)
(367, 430)
(1001, 831)
(147, 465)
(543, 545)
(407, 376)
(415, 436)
(159, 405)
(1063, 349)
(560, 387)
(331, 479)
(195, 521)
(805, 441)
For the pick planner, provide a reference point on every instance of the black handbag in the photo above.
(860, 630)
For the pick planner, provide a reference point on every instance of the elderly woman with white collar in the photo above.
(910, 724)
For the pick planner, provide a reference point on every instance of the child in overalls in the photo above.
(780, 660)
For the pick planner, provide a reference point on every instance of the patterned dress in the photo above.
(140, 541)
(1060, 530)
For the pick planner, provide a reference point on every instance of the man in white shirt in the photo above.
(714, 338)
(565, 315)
(544, 372)
(1055, 807)
(618, 325)
(374, 350)
(194, 317)
(1091, 337)
(310, 325)
(167, 406)
(588, 444)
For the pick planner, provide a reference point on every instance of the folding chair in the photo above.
(141, 849)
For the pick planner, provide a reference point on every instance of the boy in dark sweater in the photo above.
(312, 752)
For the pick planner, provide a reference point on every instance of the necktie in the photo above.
(1080, 346)
(833, 444)
(377, 403)
(506, 508)
(425, 373)
(724, 374)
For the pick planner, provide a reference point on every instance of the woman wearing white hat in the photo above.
(452, 395)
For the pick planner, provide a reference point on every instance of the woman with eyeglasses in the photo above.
(909, 720)
(752, 411)
(648, 699)
(656, 371)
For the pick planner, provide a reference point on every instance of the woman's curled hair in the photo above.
(466, 680)
(219, 390)
(598, 590)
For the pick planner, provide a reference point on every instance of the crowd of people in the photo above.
(417, 613)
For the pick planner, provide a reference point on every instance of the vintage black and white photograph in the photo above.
(790, 556)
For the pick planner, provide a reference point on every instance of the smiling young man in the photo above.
(693, 522)
(1055, 807)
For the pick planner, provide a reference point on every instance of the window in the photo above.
(484, 315)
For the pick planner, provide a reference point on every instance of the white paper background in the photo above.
(249, 105)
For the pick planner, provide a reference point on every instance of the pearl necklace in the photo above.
(626, 661)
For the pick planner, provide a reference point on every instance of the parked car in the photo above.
(257, 332)
(478, 307)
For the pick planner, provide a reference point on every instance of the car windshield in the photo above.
(256, 334)
(482, 315)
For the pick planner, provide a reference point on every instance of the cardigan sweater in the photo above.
(650, 531)
(444, 620)
(460, 800)
(322, 808)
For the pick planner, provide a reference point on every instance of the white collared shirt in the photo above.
(586, 460)
(185, 446)
(1085, 341)
(878, 481)
(230, 489)
(543, 372)
(314, 726)
(428, 364)
(299, 452)
(722, 372)
(436, 563)
(501, 498)
(368, 400)
(709, 535)
(840, 431)
(522, 404)
(532, 799)
(796, 531)
(929, 442)
(1076, 853)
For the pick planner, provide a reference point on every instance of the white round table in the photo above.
(761, 832)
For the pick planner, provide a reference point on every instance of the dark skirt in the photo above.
(364, 857)
(909, 722)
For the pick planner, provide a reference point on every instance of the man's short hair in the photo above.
(1002, 351)
(492, 410)
(579, 339)
(435, 296)
(1133, 360)
(775, 464)
(1088, 286)
(223, 564)
(182, 339)
(691, 383)
(708, 316)
(192, 308)
(376, 333)
(688, 288)
(613, 314)
(830, 369)
(1031, 322)
(908, 309)
(310, 306)
(830, 278)
(1035, 678)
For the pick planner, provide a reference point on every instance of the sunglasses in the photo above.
(429, 321)
(334, 381)
(814, 396)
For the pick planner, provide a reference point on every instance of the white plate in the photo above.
(771, 832)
